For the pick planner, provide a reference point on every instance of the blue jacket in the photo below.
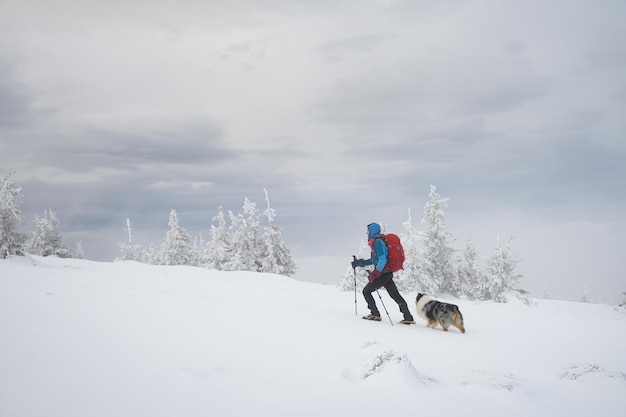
(379, 249)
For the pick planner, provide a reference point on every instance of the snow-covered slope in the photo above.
(81, 338)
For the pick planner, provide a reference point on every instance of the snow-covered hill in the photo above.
(84, 339)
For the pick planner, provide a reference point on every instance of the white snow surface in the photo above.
(81, 338)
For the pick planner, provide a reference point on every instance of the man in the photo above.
(380, 276)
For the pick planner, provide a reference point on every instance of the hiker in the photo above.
(380, 276)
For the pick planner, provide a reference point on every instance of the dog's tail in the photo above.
(458, 319)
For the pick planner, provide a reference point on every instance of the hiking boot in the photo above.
(405, 321)
(372, 317)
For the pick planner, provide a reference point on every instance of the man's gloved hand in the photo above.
(373, 275)
(358, 262)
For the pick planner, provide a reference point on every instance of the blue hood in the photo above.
(374, 229)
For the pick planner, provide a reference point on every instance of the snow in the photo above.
(82, 338)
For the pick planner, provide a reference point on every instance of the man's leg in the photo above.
(393, 292)
(379, 282)
(369, 298)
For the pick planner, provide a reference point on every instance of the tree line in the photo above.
(237, 247)
(434, 267)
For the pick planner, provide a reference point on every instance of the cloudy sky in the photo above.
(345, 111)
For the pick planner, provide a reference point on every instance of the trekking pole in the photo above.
(381, 300)
(354, 275)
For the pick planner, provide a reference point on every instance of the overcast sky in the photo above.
(345, 111)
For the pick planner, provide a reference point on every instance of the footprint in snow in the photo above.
(507, 382)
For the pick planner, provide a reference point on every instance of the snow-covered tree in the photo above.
(198, 253)
(78, 251)
(11, 242)
(130, 250)
(438, 273)
(409, 278)
(274, 256)
(175, 248)
(244, 227)
(46, 239)
(347, 281)
(501, 275)
(219, 247)
(150, 256)
(469, 271)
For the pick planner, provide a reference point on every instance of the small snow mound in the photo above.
(392, 362)
(349, 375)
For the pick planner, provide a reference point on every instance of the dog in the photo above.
(437, 312)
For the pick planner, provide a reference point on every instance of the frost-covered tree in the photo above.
(150, 256)
(347, 281)
(219, 247)
(11, 242)
(46, 239)
(130, 250)
(237, 256)
(78, 251)
(469, 271)
(198, 253)
(409, 278)
(438, 273)
(244, 227)
(274, 256)
(175, 248)
(501, 275)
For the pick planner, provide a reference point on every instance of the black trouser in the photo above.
(385, 280)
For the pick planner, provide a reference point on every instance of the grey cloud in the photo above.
(608, 51)
(619, 94)
(187, 145)
(336, 49)
(562, 173)
(417, 93)
(514, 48)
(83, 151)
(589, 170)
(16, 102)
(248, 53)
